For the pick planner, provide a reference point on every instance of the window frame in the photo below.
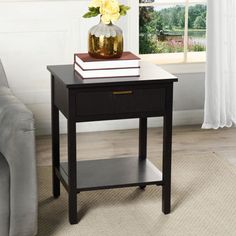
(182, 61)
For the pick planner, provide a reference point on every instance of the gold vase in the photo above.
(105, 41)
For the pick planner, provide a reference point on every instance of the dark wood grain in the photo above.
(167, 150)
(61, 96)
(71, 80)
(149, 95)
(55, 141)
(113, 173)
(113, 102)
(142, 138)
(72, 173)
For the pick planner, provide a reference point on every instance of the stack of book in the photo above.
(90, 68)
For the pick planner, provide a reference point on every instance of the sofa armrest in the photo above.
(4, 196)
(17, 144)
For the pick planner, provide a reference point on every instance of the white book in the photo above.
(101, 73)
(127, 60)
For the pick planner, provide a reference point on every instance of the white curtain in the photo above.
(220, 89)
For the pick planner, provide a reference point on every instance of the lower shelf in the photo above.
(112, 173)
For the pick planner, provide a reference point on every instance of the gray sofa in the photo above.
(18, 188)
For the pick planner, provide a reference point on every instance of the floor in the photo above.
(186, 140)
(120, 212)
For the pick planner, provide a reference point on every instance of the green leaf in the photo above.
(90, 14)
(93, 11)
(123, 13)
(123, 10)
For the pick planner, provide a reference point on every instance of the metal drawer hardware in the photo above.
(122, 92)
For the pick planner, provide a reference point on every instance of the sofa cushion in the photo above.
(4, 91)
(4, 197)
(3, 78)
(13, 112)
(17, 145)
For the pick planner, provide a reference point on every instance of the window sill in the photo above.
(174, 62)
(184, 68)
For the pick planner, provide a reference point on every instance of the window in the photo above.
(172, 31)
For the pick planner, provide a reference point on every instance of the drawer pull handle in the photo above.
(122, 92)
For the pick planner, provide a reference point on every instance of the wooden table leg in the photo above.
(142, 142)
(167, 149)
(142, 138)
(72, 175)
(55, 143)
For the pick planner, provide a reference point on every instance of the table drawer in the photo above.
(94, 103)
(139, 100)
(120, 100)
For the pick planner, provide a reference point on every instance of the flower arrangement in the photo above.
(110, 10)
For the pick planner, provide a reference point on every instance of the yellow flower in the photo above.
(110, 6)
(106, 19)
(115, 17)
(96, 3)
(110, 11)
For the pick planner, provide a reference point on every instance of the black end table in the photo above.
(150, 95)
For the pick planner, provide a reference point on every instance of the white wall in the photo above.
(34, 34)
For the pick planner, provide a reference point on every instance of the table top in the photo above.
(149, 73)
